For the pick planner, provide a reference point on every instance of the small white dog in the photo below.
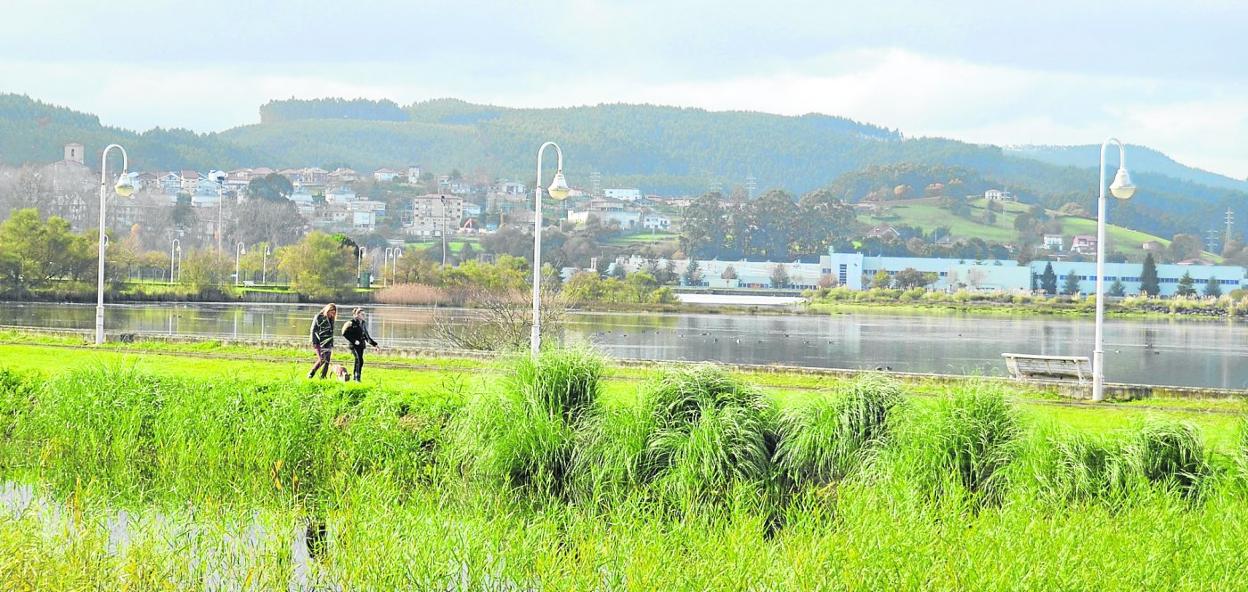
(340, 372)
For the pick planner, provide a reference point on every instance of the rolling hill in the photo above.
(666, 150)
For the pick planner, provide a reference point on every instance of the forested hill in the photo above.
(1140, 158)
(660, 149)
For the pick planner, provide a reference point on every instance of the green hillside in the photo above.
(665, 150)
(928, 215)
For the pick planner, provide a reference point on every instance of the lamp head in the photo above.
(1122, 187)
(124, 187)
(558, 187)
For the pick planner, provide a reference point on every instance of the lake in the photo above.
(1181, 352)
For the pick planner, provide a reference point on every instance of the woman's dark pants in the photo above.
(358, 352)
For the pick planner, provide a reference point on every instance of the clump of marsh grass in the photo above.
(564, 382)
(827, 439)
(610, 457)
(964, 448)
(710, 431)
(525, 437)
(1171, 455)
(1083, 467)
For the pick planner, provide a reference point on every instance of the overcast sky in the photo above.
(1171, 75)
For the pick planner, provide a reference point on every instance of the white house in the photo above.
(626, 219)
(654, 221)
(340, 195)
(384, 175)
(1053, 242)
(998, 195)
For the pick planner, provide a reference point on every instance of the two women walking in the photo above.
(355, 331)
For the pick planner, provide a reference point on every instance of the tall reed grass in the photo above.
(538, 481)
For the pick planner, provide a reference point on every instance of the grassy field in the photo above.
(928, 215)
(201, 466)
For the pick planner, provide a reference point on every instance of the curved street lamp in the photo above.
(264, 265)
(175, 249)
(123, 188)
(239, 250)
(1123, 189)
(558, 191)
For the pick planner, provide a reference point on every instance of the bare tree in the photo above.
(501, 320)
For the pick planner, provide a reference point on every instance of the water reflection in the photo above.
(1168, 351)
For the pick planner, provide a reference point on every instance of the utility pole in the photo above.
(751, 184)
(1211, 240)
(1230, 221)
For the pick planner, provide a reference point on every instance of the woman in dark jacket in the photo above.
(356, 332)
(323, 338)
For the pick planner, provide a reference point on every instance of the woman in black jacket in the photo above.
(356, 332)
(323, 338)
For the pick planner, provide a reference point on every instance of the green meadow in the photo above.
(152, 466)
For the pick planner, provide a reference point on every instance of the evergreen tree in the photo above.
(693, 275)
(1071, 285)
(1149, 283)
(1212, 288)
(1048, 280)
(1117, 289)
(1187, 285)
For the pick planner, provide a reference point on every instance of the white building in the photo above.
(340, 195)
(856, 271)
(654, 221)
(626, 219)
(512, 188)
(998, 195)
(632, 194)
(385, 175)
(1054, 242)
(431, 214)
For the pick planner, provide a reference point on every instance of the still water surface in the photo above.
(1171, 352)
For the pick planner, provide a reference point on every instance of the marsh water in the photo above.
(1152, 351)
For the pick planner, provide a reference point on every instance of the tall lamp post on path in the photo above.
(558, 191)
(1123, 189)
(239, 250)
(175, 256)
(123, 188)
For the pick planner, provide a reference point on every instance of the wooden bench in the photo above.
(1048, 368)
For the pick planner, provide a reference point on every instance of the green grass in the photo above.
(571, 473)
(928, 215)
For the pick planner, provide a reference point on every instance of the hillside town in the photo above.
(407, 206)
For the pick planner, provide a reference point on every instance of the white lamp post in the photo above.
(394, 262)
(558, 191)
(239, 251)
(385, 264)
(124, 188)
(264, 265)
(175, 250)
(1123, 189)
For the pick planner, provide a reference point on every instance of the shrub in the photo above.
(827, 439)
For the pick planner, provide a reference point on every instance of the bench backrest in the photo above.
(1025, 365)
